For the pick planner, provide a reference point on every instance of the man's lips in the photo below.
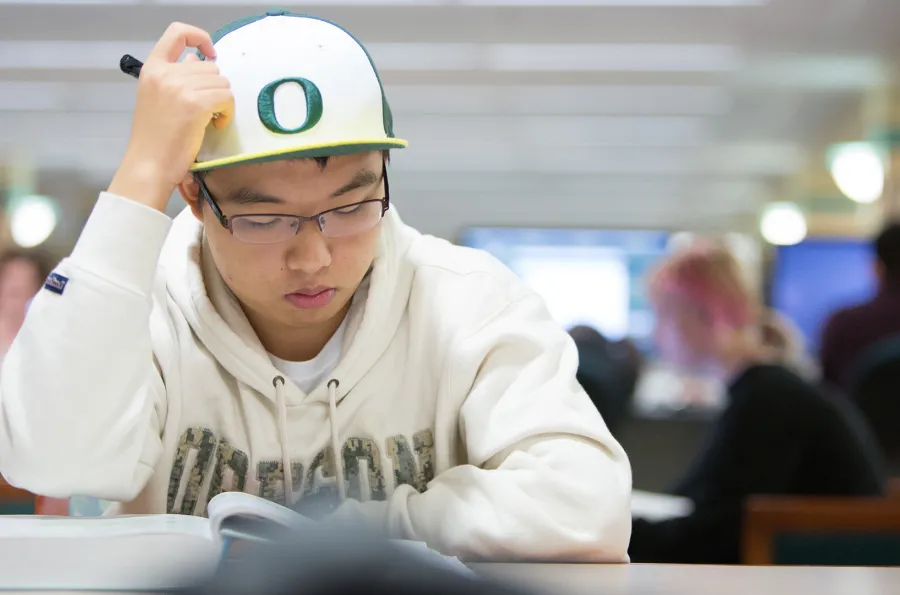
(311, 297)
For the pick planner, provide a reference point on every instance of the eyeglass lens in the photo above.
(269, 229)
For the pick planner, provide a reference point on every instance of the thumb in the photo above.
(191, 57)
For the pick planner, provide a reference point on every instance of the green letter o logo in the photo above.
(265, 105)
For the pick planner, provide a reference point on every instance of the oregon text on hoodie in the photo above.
(454, 409)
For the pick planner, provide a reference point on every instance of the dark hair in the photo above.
(624, 352)
(608, 371)
(632, 360)
(322, 162)
(887, 249)
(583, 334)
(35, 258)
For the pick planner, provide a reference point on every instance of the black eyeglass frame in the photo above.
(226, 222)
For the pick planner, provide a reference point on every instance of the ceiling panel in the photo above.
(618, 112)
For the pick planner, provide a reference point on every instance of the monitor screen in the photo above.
(593, 277)
(816, 277)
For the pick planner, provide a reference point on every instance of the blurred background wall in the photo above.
(674, 114)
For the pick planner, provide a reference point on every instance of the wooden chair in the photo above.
(893, 488)
(821, 531)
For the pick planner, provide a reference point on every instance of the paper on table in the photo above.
(49, 527)
(659, 507)
(118, 554)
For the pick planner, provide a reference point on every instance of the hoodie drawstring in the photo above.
(283, 439)
(333, 385)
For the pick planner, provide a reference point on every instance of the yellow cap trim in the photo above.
(318, 150)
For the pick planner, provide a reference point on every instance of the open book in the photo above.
(139, 553)
(235, 515)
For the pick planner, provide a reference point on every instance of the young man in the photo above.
(291, 337)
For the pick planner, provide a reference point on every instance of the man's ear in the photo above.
(190, 192)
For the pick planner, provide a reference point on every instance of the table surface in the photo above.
(662, 579)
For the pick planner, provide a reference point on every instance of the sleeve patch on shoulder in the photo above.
(56, 283)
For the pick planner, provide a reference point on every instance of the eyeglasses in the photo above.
(339, 222)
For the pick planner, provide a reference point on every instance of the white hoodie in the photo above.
(454, 405)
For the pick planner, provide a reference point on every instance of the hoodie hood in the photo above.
(217, 319)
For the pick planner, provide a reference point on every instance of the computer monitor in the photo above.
(816, 277)
(586, 276)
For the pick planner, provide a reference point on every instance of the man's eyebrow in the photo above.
(247, 196)
(362, 179)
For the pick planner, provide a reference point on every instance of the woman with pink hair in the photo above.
(705, 312)
(778, 433)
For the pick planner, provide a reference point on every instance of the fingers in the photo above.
(204, 82)
(178, 37)
(194, 83)
(190, 74)
(223, 101)
(220, 121)
(195, 67)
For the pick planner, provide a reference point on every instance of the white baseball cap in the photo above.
(303, 87)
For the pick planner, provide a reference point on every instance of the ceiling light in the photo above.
(858, 171)
(680, 240)
(32, 220)
(783, 224)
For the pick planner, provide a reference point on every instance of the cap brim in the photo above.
(304, 152)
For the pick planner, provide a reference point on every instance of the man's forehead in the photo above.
(281, 187)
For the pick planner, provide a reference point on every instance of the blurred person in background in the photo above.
(785, 340)
(22, 273)
(608, 371)
(850, 331)
(777, 435)
(289, 336)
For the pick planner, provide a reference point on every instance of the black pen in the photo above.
(130, 65)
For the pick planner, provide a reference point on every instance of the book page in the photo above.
(241, 513)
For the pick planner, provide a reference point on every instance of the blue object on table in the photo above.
(87, 506)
